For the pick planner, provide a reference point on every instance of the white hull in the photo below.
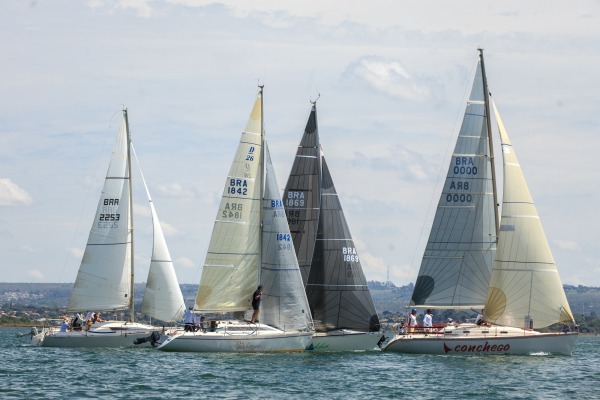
(474, 340)
(103, 334)
(236, 336)
(344, 340)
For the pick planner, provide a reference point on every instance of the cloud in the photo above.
(175, 189)
(35, 274)
(11, 194)
(391, 78)
(75, 252)
(567, 245)
(168, 229)
(184, 262)
(142, 7)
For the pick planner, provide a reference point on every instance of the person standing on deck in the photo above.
(412, 321)
(188, 320)
(256, 303)
(428, 320)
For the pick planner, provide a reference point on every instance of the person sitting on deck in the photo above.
(96, 318)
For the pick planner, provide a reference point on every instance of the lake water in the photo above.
(145, 373)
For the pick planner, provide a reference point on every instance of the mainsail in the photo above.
(284, 305)
(456, 266)
(104, 279)
(525, 289)
(302, 195)
(163, 299)
(232, 266)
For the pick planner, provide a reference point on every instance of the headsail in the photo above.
(284, 304)
(525, 289)
(231, 269)
(302, 195)
(163, 299)
(337, 288)
(456, 265)
(104, 279)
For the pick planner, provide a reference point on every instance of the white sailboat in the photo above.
(250, 246)
(340, 302)
(104, 282)
(473, 260)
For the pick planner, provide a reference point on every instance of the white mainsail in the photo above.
(232, 266)
(163, 299)
(104, 278)
(285, 305)
(456, 265)
(525, 288)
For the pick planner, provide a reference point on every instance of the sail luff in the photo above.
(132, 259)
(488, 120)
(525, 288)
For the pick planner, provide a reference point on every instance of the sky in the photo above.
(392, 76)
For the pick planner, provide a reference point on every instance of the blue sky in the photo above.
(392, 76)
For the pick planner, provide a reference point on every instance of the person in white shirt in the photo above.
(188, 318)
(428, 320)
(412, 321)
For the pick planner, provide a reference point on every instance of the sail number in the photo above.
(350, 254)
(232, 210)
(109, 217)
(250, 155)
(284, 241)
(459, 197)
(294, 199)
(237, 186)
(464, 166)
(293, 216)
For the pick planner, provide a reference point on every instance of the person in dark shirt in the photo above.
(256, 302)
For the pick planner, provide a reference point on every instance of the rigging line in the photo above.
(444, 163)
(87, 196)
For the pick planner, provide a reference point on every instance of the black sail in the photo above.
(301, 197)
(336, 286)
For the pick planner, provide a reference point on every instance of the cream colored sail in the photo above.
(163, 299)
(525, 288)
(232, 267)
(104, 278)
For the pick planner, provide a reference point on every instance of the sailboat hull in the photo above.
(111, 334)
(237, 338)
(344, 340)
(484, 341)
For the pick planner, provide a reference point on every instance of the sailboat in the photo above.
(250, 246)
(340, 302)
(476, 260)
(105, 278)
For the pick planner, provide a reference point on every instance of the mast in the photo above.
(318, 146)
(261, 169)
(488, 119)
(131, 293)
